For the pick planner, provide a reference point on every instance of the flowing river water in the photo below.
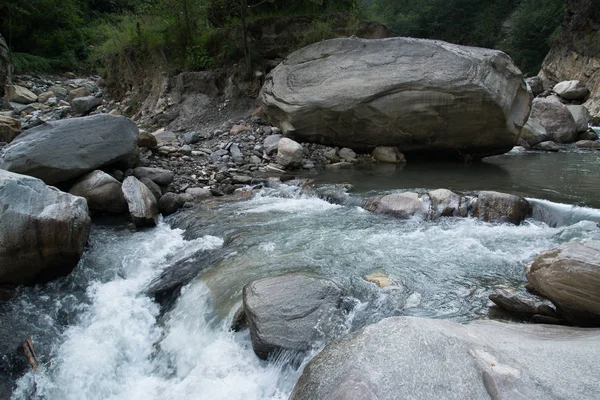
(100, 336)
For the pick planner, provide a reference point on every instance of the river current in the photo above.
(98, 335)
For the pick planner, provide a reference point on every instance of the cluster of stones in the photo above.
(558, 117)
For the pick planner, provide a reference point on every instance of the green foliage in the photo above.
(534, 24)
(28, 63)
(320, 30)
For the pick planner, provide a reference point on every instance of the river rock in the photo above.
(45, 96)
(163, 136)
(548, 145)
(502, 207)
(418, 358)
(569, 276)
(291, 312)
(43, 231)
(19, 94)
(198, 192)
(5, 65)
(143, 207)
(84, 105)
(571, 90)
(445, 203)
(77, 93)
(581, 115)
(147, 140)
(347, 154)
(102, 192)
(419, 95)
(10, 128)
(160, 176)
(379, 278)
(57, 151)
(388, 155)
(513, 303)
(533, 133)
(169, 203)
(154, 188)
(289, 153)
(270, 143)
(588, 144)
(400, 205)
(535, 84)
(556, 118)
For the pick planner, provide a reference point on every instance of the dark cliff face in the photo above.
(575, 53)
(4, 64)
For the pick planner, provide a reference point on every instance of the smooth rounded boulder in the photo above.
(142, 204)
(43, 231)
(422, 96)
(289, 153)
(556, 118)
(569, 276)
(400, 205)
(431, 359)
(160, 176)
(502, 207)
(57, 151)
(102, 192)
(571, 90)
(291, 312)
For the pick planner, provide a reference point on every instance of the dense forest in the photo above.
(54, 35)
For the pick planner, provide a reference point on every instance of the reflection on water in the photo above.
(572, 178)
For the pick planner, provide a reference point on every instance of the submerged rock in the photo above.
(418, 358)
(57, 151)
(291, 312)
(102, 192)
(143, 207)
(348, 92)
(569, 276)
(43, 231)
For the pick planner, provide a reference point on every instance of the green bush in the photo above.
(28, 63)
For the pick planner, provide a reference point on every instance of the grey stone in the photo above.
(445, 203)
(556, 118)
(502, 207)
(236, 154)
(102, 192)
(147, 140)
(588, 144)
(571, 90)
(160, 176)
(548, 146)
(270, 144)
(388, 155)
(45, 96)
(186, 150)
(289, 153)
(581, 115)
(84, 105)
(43, 231)
(291, 312)
(199, 193)
(400, 205)
(347, 154)
(533, 133)
(357, 93)
(418, 358)
(535, 84)
(164, 136)
(513, 303)
(169, 203)
(76, 93)
(19, 94)
(142, 204)
(569, 276)
(154, 188)
(191, 138)
(57, 151)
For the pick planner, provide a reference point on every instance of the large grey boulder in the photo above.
(142, 204)
(57, 151)
(426, 359)
(84, 105)
(569, 276)
(571, 90)
(556, 118)
(291, 312)
(415, 94)
(5, 65)
(43, 231)
(160, 176)
(533, 133)
(582, 117)
(102, 192)
(502, 207)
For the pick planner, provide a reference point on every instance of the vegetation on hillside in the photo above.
(201, 34)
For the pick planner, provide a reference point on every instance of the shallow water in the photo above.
(99, 336)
